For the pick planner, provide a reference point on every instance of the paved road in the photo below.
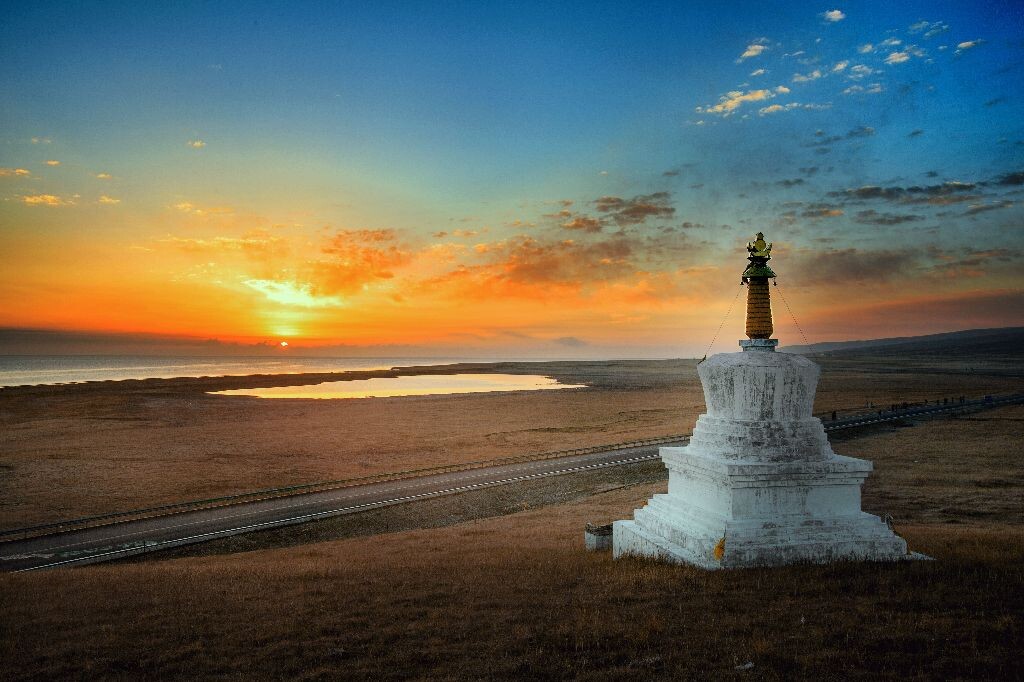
(127, 538)
(933, 409)
(119, 540)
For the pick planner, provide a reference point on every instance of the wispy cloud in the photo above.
(833, 15)
(974, 209)
(803, 78)
(104, 176)
(110, 201)
(41, 140)
(859, 71)
(911, 194)
(733, 100)
(255, 243)
(356, 259)
(192, 209)
(967, 45)
(14, 172)
(196, 144)
(583, 223)
(293, 293)
(872, 217)
(897, 58)
(636, 210)
(45, 200)
(928, 30)
(53, 162)
(776, 108)
(821, 139)
(860, 131)
(822, 212)
(872, 89)
(791, 106)
(527, 267)
(754, 49)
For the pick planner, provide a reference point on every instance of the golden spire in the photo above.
(756, 276)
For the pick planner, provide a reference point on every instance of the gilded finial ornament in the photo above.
(760, 252)
(759, 247)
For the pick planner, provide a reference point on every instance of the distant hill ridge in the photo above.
(1001, 341)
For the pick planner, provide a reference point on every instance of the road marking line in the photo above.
(308, 517)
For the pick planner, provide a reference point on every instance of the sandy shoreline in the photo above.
(75, 450)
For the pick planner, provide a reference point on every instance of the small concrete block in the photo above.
(598, 538)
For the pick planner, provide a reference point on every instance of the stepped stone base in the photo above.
(758, 484)
(729, 513)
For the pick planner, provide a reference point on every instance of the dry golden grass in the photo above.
(964, 470)
(74, 451)
(516, 596)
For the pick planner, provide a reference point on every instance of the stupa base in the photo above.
(733, 514)
(631, 539)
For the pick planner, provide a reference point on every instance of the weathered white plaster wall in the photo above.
(758, 483)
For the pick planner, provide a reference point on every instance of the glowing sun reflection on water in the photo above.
(435, 384)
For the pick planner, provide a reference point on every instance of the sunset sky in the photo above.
(507, 179)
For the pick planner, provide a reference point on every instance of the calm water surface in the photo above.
(437, 384)
(20, 370)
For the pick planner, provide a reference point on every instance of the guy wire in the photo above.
(798, 327)
(722, 324)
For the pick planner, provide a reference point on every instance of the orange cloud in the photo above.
(255, 242)
(523, 266)
(584, 223)
(45, 200)
(357, 258)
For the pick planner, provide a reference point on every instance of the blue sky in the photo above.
(512, 122)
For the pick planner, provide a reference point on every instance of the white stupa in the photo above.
(758, 484)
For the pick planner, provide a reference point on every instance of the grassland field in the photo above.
(72, 451)
(495, 584)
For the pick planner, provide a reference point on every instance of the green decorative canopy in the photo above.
(760, 253)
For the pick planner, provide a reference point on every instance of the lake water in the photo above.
(435, 384)
(21, 370)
